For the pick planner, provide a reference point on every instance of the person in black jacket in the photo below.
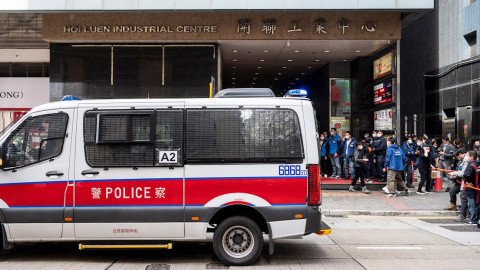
(425, 162)
(359, 166)
(379, 149)
(471, 179)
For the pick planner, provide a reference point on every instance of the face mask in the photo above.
(322, 138)
(347, 137)
(477, 145)
(331, 133)
(427, 151)
(361, 147)
(366, 136)
(379, 135)
(371, 142)
(466, 158)
(374, 136)
(419, 143)
(410, 141)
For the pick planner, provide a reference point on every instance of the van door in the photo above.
(36, 157)
(129, 173)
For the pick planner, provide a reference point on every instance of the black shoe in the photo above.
(447, 190)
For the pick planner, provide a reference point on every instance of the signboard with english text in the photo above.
(24, 93)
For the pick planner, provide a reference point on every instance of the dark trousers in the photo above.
(359, 173)
(324, 165)
(379, 166)
(425, 177)
(369, 169)
(463, 203)
(453, 192)
(407, 173)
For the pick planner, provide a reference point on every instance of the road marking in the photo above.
(343, 194)
(392, 202)
(406, 248)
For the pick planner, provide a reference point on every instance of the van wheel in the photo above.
(238, 241)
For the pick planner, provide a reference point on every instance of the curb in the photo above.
(418, 213)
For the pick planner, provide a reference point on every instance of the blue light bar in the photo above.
(70, 97)
(296, 93)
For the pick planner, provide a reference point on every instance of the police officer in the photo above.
(379, 149)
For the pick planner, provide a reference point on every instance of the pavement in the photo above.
(344, 202)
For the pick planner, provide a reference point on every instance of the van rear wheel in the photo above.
(238, 241)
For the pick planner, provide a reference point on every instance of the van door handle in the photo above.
(54, 174)
(89, 172)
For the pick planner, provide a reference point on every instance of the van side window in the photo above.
(243, 135)
(37, 139)
(133, 138)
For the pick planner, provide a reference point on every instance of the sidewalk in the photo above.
(342, 203)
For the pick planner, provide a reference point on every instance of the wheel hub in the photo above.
(238, 241)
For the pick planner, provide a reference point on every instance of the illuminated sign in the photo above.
(383, 119)
(383, 66)
(383, 93)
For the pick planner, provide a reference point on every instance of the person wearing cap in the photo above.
(394, 165)
(379, 149)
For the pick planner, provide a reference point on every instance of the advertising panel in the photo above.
(383, 119)
(382, 93)
(382, 66)
(24, 93)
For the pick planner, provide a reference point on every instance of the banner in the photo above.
(383, 119)
(382, 66)
(382, 93)
(24, 93)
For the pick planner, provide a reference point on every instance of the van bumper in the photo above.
(314, 220)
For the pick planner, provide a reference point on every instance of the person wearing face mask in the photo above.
(359, 167)
(324, 154)
(348, 149)
(457, 187)
(476, 146)
(367, 152)
(425, 162)
(446, 155)
(335, 152)
(409, 152)
(394, 166)
(471, 180)
(379, 149)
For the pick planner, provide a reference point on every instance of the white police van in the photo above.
(163, 170)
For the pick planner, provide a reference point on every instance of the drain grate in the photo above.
(217, 266)
(464, 228)
(158, 267)
(440, 221)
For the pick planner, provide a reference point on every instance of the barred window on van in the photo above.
(242, 135)
(132, 138)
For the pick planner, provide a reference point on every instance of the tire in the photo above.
(238, 241)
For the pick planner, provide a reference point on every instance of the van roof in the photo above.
(187, 101)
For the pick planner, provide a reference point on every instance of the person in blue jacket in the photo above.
(335, 150)
(394, 165)
(349, 144)
(324, 154)
(409, 152)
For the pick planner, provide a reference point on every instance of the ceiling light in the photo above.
(309, 67)
(233, 82)
(296, 79)
(235, 51)
(256, 73)
(296, 51)
(357, 51)
(233, 73)
(265, 50)
(344, 60)
(234, 78)
(284, 67)
(327, 51)
(259, 67)
(234, 67)
(234, 60)
(288, 87)
(317, 60)
(261, 60)
(253, 83)
(303, 73)
(279, 73)
(289, 60)
(254, 79)
(276, 79)
(292, 83)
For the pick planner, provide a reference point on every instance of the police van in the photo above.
(163, 170)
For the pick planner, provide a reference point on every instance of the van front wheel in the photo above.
(238, 241)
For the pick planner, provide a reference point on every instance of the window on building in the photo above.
(36, 139)
(472, 1)
(24, 69)
(472, 43)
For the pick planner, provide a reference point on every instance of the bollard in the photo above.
(438, 182)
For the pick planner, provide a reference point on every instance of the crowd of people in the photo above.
(376, 158)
